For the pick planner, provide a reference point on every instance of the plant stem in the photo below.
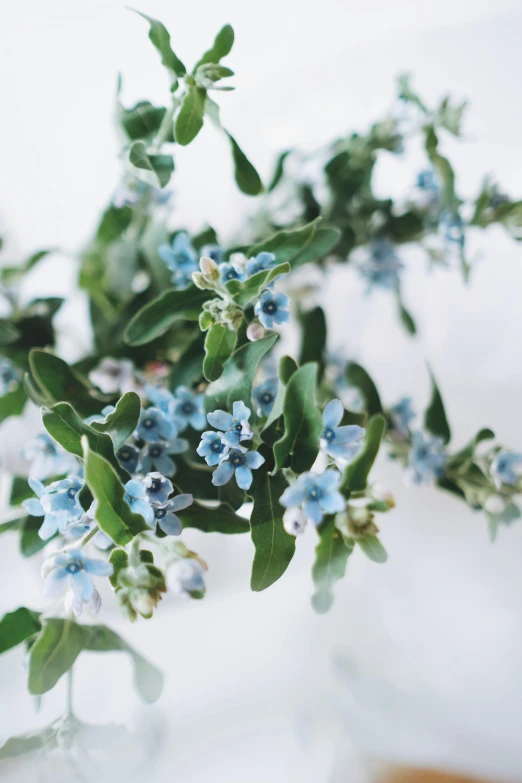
(164, 129)
(89, 536)
(69, 694)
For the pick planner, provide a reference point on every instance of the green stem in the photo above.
(165, 128)
(69, 694)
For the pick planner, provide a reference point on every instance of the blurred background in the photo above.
(418, 662)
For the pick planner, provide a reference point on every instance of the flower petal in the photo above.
(293, 495)
(333, 413)
(312, 512)
(171, 524)
(33, 507)
(240, 411)
(180, 502)
(222, 474)
(254, 459)
(97, 567)
(82, 586)
(221, 420)
(332, 502)
(244, 477)
(348, 434)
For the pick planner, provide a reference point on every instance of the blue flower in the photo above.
(188, 409)
(166, 517)
(242, 463)
(261, 263)
(180, 258)
(72, 570)
(383, 267)
(161, 398)
(264, 396)
(158, 488)
(156, 455)
(154, 425)
(136, 497)
(9, 377)
(506, 468)
(215, 252)
(426, 180)
(235, 425)
(425, 460)
(128, 456)
(452, 227)
(341, 443)
(402, 414)
(58, 503)
(272, 309)
(228, 271)
(185, 577)
(212, 447)
(46, 457)
(317, 494)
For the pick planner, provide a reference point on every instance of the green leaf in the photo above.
(246, 176)
(120, 424)
(113, 514)
(158, 316)
(160, 37)
(302, 420)
(331, 556)
(244, 291)
(288, 244)
(274, 427)
(189, 119)
(60, 383)
(12, 524)
(313, 338)
(213, 519)
(274, 546)
(435, 420)
(278, 171)
(406, 318)
(238, 375)
(219, 344)
(148, 680)
(12, 403)
(153, 169)
(358, 377)
(20, 491)
(54, 652)
(30, 541)
(356, 473)
(372, 548)
(119, 560)
(322, 243)
(142, 121)
(17, 626)
(113, 223)
(222, 45)
(29, 743)
(8, 332)
(466, 454)
(65, 426)
(442, 167)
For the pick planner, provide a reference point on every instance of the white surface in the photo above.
(252, 693)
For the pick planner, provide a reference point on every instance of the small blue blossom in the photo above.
(157, 456)
(136, 497)
(158, 488)
(264, 396)
(166, 517)
(340, 443)
(452, 227)
(382, 268)
(185, 577)
(402, 414)
(46, 457)
(160, 397)
(506, 468)
(426, 180)
(188, 409)
(9, 377)
(235, 425)
(239, 462)
(272, 309)
(215, 252)
(180, 258)
(154, 426)
(425, 460)
(229, 271)
(317, 494)
(212, 447)
(128, 456)
(58, 503)
(73, 570)
(260, 263)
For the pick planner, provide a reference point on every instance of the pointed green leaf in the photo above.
(356, 473)
(8, 332)
(189, 119)
(278, 171)
(372, 548)
(222, 45)
(244, 291)
(61, 384)
(158, 316)
(466, 454)
(120, 424)
(238, 375)
(17, 626)
(44, 740)
(153, 169)
(358, 377)
(435, 420)
(288, 244)
(12, 403)
(303, 423)
(160, 37)
(213, 519)
(54, 652)
(313, 338)
(246, 176)
(113, 514)
(219, 344)
(274, 546)
(331, 556)
(30, 541)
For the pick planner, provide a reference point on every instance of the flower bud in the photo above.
(294, 521)
(255, 331)
(495, 504)
(382, 493)
(209, 268)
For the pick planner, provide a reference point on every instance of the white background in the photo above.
(434, 637)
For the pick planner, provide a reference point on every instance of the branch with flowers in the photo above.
(181, 417)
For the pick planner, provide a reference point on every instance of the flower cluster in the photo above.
(382, 267)
(58, 503)
(151, 498)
